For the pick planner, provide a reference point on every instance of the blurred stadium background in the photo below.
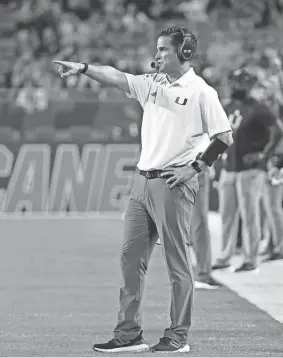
(71, 146)
(46, 122)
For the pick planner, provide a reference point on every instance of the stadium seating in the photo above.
(33, 33)
(9, 135)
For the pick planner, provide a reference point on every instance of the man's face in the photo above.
(240, 86)
(166, 56)
(237, 85)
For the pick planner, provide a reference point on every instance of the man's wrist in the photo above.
(202, 164)
(83, 67)
(195, 166)
(198, 165)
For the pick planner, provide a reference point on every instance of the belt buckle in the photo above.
(148, 175)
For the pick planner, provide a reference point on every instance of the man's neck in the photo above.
(174, 76)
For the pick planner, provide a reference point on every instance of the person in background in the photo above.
(273, 197)
(270, 95)
(241, 183)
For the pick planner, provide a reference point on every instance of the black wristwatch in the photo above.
(85, 68)
(195, 166)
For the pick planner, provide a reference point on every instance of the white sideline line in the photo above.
(264, 289)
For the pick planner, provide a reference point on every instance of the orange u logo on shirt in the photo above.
(185, 100)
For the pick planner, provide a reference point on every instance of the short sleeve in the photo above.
(213, 115)
(139, 86)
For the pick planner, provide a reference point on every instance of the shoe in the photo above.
(170, 345)
(207, 283)
(122, 345)
(220, 266)
(158, 242)
(246, 267)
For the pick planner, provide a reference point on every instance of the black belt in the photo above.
(151, 174)
(155, 173)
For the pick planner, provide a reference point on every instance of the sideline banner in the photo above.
(66, 177)
(61, 178)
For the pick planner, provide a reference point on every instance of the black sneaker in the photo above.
(246, 267)
(122, 345)
(220, 266)
(207, 283)
(170, 345)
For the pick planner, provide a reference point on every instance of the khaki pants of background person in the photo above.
(239, 196)
(272, 203)
(156, 210)
(200, 234)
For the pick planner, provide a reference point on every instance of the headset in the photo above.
(187, 49)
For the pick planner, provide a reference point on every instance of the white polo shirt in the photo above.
(179, 118)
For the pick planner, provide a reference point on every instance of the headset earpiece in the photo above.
(187, 48)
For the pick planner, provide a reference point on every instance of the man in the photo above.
(180, 110)
(241, 182)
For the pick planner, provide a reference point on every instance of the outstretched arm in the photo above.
(106, 75)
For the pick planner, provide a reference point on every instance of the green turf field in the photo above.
(59, 285)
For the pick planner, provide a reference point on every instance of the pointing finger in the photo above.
(63, 63)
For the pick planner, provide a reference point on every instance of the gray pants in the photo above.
(199, 228)
(239, 196)
(272, 205)
(154, 210)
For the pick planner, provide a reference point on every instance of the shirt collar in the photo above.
(187, 77)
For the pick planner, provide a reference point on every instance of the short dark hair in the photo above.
(176, 35)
